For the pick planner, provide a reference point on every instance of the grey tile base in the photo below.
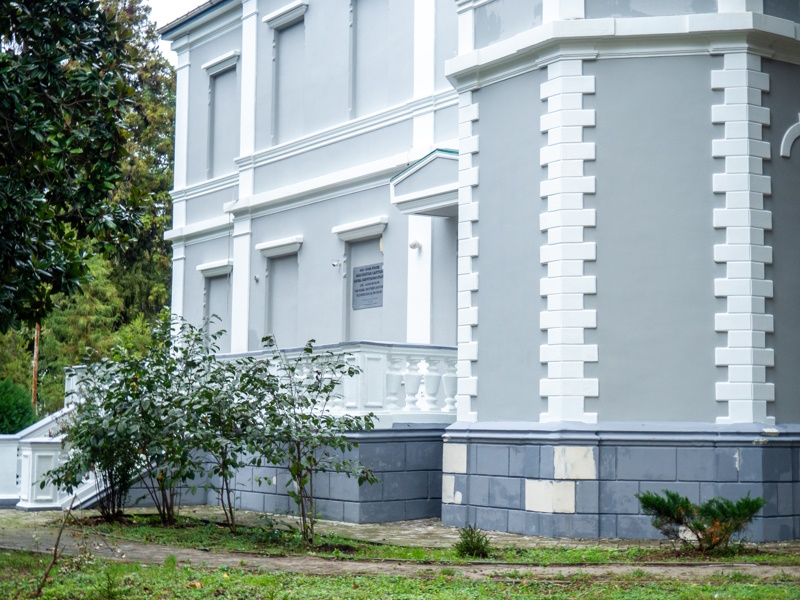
(492, 492)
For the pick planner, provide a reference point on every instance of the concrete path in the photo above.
(20, 531)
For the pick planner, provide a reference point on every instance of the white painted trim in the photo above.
(282, 247)
(204, 187)
(221, 63)
(359, 231)
(249, 74)
(420, 282)
(216, 268)
(427, 200)
(204, 27)
(181, 122)
(383, 168)
(350, 129)
(240, 285)
(178, 278)
(620, 38)
(565, 319)
(468, 250)
(789, 138)
(209, 226)
(287, 16)
(744, 287)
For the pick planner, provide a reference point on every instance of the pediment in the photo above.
(428, 186)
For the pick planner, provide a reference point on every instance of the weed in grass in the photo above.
(170, 562)
(448, 572)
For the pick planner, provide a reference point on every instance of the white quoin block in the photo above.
(549, 496)
(454, 458)
(574, 462)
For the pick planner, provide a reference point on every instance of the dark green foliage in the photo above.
(472, 543)
(16, 407)
(300, 427)
(63, 98)
(710, 525)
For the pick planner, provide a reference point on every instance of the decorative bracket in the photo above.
(789, 138)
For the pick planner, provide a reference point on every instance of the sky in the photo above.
(166, 11)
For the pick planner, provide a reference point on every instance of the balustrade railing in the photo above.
(400, 383)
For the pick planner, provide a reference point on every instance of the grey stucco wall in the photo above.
(321, 297)
(446, 40)
(655, 237)
(209, 206)
(509, 269)
(783, 101)
(785, 9)
(197, 157)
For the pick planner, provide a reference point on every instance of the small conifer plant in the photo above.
(472, 543)
(710, 525)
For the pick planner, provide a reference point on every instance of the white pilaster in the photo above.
(466, 26)
(181, 112)
(178, 274)
(562, 10)
(744, 254)
(565, 254)
(240, 294)
(247, 134)
(739, 6)
(467, 255)
(424, 72)
(418, 320)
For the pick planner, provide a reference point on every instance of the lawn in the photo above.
(92, 578)
(269, 540)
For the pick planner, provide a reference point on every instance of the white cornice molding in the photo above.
(431, 199)
(350, 129)
(209, 26)
(358, 231)
(222, 63)
(617, 38)
(216, 268)
(206, 187)
(287, 16)
(375, 171)
(222, 223)
(281, 247)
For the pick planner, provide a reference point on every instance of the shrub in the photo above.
(298, 428)
(709, 525)
(472, 543)
(16, 407)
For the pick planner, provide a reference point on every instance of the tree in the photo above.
(297, 428)
(143, 270)
(64, 95)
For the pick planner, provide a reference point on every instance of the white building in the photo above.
(592, 200)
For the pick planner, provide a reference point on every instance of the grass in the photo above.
(97, 579)
(203, 535)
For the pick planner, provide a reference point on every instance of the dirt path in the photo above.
(22, 538)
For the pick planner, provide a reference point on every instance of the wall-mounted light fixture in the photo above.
(414, 245)
(255, 277)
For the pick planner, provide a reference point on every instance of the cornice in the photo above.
(624, 38)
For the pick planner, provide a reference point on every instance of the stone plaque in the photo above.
(368, 286)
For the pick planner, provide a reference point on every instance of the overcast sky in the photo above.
(166, 11)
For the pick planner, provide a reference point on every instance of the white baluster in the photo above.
(394, 378)
(412, 380)
(433, 381)
(450, 384)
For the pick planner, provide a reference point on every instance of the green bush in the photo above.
(710, 525)
(16, 407)
(472, 543)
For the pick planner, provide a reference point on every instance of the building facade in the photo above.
(559, 236)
